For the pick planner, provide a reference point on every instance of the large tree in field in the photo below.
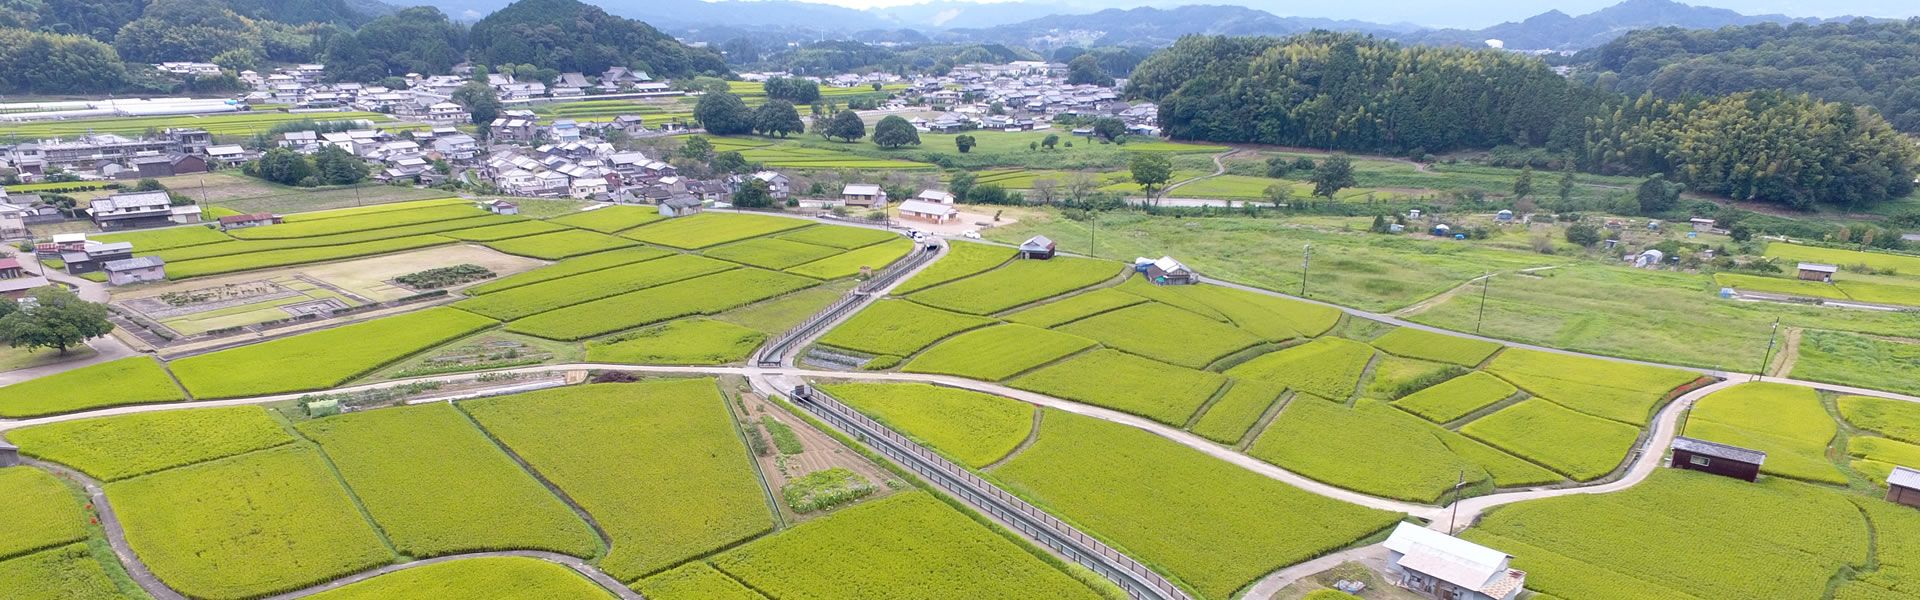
(894, 132)
(1333, 175)
(777, 118)
(845, 125)
(723, 114)
(58, 319)
(1151, 169)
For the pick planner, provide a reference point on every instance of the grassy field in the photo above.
(997, 352)
(849, 263)
(657, 464)
(70, 572)
(1415, 343)
(1237, 411)
(1075, 307)
(570, 267)
(134, 380)
(1017, 283)
(323, 358)
(899, 328)
(1457, 397)
(484, 578)
(1854, 359)
(123, 446)
(1407, 458)
(1785, 421)
(712, 229)
(704, 295)
(771, 253)
(610, 219)
(436, 485)
(560, 244)
(37, 512)
(1624, 392)
(553, 294)
(222, 124)
(1325, 367)
(684, 342)
(695, 581)
(972, 428)
(1166, 393)
(910, 545)
(1682, 534)
(1571, 443)
(247, 526)
(1892, 418)
(1214, 526)
(1898, 263)
(963, 259)
(1164, 333)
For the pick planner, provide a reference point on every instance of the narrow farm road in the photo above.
(1219, 168)
(582, 567)
(116, 535)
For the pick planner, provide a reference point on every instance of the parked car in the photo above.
(970, 234)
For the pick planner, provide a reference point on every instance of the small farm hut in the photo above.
(1037, 247)
(1818, 272)
(1701, 223)
(9, 455)
(1503, 216)
(1716, 458)
(1903, 486)
(1167, 271)
(323, 408)
(1443, 567)
(679, 207)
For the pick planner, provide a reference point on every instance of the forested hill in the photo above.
(569, 35)
(1875, 64)
(1359, 94)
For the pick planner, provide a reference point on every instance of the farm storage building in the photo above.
(1718, 459)
(139, 269)
(1037, 247)
(9, 455)
(1440, 566)
(931, 212)
(1818, 272)
(1903, 486)
(1166, 271)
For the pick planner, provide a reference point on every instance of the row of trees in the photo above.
(1344, 92)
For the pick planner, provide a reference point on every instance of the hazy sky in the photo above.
(1481, 13)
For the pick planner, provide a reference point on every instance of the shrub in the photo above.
(826, 489)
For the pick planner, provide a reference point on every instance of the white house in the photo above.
(447, 113)
(864, 195)
(935, 196)
(587, 187)
(228, 154)
(778, 186)
(1437, 565)
(932, 212)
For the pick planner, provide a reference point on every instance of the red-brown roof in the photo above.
(8, 263)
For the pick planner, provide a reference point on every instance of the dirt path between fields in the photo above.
(1219, 168)
(1789, 352)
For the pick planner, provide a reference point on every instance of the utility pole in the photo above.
(1093, 225)
(1485, 279)
(1453, 521)
(1767, 362)
(1306, 259)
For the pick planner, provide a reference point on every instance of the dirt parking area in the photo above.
(820, 452)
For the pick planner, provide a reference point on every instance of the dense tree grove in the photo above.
(1345, 92)
(569, 35)
(415, 40)
(1859, 62)
(724, 114)
(34, 62)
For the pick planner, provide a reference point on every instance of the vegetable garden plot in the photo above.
(684, 342)
(842, 237)
(894, 327)
(705, 295)
(1237, 410)
(1017, 283)
(1325, 367)
(324, 358)
(553, 294)
(483, 578)
(37, 512)
(771, 253)
(695, 581)
(1457, 397)
(1427, 345)
(1682, 534)
(848, 264)
(962, 259)
(1785, 421)
(1624, 392)
(1075, 307)
(609, 219)
(1572, 443)
(1164, 333)
(235, 263)
(570, 267)
(122, 446)
(658, 465)
(436, 485)
(1166, 393)
(1896, 419)
(242, 527)
(1204, 521)
(560, 244)
(972, 428)
(997, 352)
(134, 380)
(1404, 457)
(69, 572)
(359, 222)
(504, 231)
(712, 229)
(910, 545)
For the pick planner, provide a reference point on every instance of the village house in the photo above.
(587, 187)
(15, 281)
(501, 207)
(617, 78)
(515, 126)
(1903, 486)
(1037, 247)
(140, 209)
(1716, 458)
(1440, 566)
(304, 142)
(166, 166)
(1166, 271)
(228, 154)
(778, 186)
(679, 207)
(864, 195)
(248, 220)
(130, 271)
(931, 212)
(95, 256)
(447, 113)
(1818, 272)
(631, 125)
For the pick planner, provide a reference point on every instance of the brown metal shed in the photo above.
(1903, 486)
(1716, 458)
